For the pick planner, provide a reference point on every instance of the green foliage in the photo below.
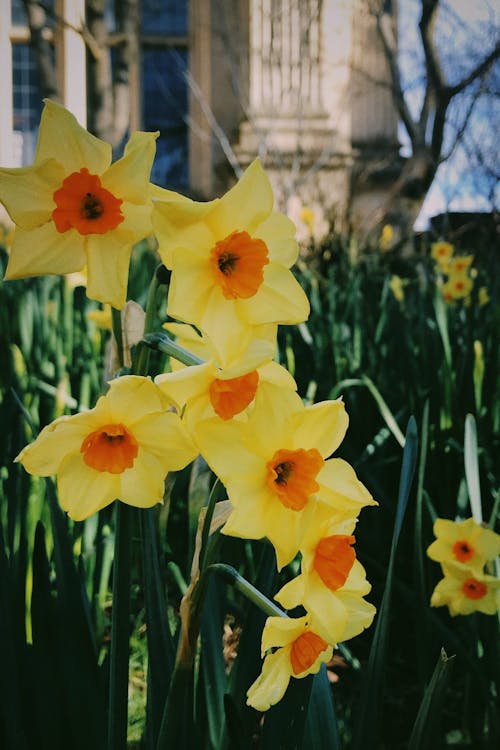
(389, 360)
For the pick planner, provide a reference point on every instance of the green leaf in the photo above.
(427, 730)
(368, 708)
(321, 732)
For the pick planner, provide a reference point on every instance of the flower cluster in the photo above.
(459, 274)
(464, 548)
(230, 263)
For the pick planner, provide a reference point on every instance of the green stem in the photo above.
(119, 651)
(163, 343)
(212, 500)
(116, 324)
(231, 576)
(141, 359)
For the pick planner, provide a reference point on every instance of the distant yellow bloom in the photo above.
(332, 583)
(74, 208)
(230, 260)
(276, 464)
(442, 253)
(299, 651)
(460, 264)
(482, 296)
(458, 286)
(464, 542)
(121, 449)
(102, 317)
(386, 237)
(465, 590)
(307, 216)
(396, 285)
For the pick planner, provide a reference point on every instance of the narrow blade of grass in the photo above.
(428, 723)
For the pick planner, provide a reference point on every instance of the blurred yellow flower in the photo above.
(299, 651)
(396, 285)
(463, 542)
(442, 253)
(332, 583)
(460, 264)
(121, 449)
(230, 261)
(101, 317)
(275, 465)
(482, 296)
(74, 208)
(458, 286)
(465, 590)
(386, 237)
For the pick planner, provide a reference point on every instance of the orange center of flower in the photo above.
(83, 204)
(230, 397)
(333, 560)
(237, 262)
(463, 551)
(111, 448)
(459, 285)
(305, 650)
(474, 589)
(292, 476)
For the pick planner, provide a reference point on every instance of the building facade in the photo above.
(303, 84)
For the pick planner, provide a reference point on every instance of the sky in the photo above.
(463, 28)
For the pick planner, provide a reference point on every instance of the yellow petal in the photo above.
(245, 206)
(44, 456)
(278, 232)
(136, 224)
(107, 269)
(191, 286)
(27, 193)
(143, 485)
(62, 138)
(128, 178)
(330, 614)
(82, 490)
(280, 299)
(270, 686)
(224, 447)
(292, 593)
(166, 437)
(222, 325)
(322, 426)
(179, 224)
(340, 488)
(360, 614)
(131, 397)
(281, 631)
(43, 251)
(188, 383)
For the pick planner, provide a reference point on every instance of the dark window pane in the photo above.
(18, 12)
(27, 103)
(165, 104)
(164, 17)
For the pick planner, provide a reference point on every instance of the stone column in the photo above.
(71, 58)
(6, 119)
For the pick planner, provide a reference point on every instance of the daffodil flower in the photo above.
(207, 391)
(275, 465)
(442, 253)
(332, 582)
(73, 208)
(300, 651)
(465, 590)
(230, 261)
(121, 449)
(463, 542)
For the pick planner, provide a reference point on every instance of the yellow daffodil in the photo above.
(465, 590)
(299, 651)
(274, 465)
(463, 542)
(74, 208)
(482, 296)
(442, 253)
(396, 285)
(332, 582)
(121, 449)
(256, 347)
(458, 286)
(207, 391)
(460, 264)
(230, 261)
(386, 237)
